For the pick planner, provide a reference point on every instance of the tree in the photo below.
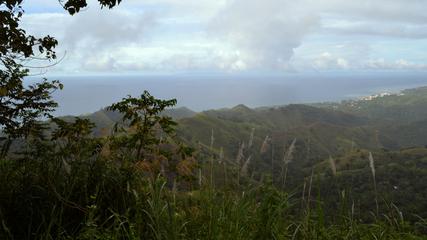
(142, 115)
(20, 105)
(74, 6)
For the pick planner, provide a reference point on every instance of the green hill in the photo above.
(389, 122)
(405, 107)
(104, 119)
(321, 130)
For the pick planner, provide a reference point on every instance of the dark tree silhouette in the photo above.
(21, 105)
(74, 6)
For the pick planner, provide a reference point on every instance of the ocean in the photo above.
(86, 94)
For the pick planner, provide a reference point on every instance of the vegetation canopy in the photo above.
(22, 105)
(140, 170)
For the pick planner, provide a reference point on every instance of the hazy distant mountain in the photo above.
(105, 120)
(179, 113)
(405, 107)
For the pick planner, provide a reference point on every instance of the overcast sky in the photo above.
(238, 36)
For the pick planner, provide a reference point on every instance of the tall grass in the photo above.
(97, 189)
(102, 200)
(372, 167)
(287, 158)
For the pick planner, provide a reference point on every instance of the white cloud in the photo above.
(342, 63)
(400, 64)
(328, 61)
(399, 30)
(93, 40)
(266, 33)
(100, 29)
(234, 35)
(407, 11)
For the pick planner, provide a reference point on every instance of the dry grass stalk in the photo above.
(333, 166)
(240, 154)
(287, 158)
(244, 170)
(303, 194)
(251, 138)
(288, 155)
(212, 139)
(221, 161)
(309, 189)
(265, 145)
(372, 166)
(200, 177)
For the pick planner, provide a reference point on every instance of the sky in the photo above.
(235, 36)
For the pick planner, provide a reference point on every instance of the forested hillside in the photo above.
(391, 122)
(404, 107)
(259, 140)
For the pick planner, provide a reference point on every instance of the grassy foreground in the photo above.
(103, 200)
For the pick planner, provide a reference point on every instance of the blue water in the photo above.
(85, 94)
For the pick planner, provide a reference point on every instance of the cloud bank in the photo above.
(236, 35)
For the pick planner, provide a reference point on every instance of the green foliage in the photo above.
(142, 121)
(405, 107)
(73, 132)
(15, 43)
(21, 106)
(74, 6)
(71, 184)
(400, 177)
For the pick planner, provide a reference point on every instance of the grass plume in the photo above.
(372, 167)
(287, 158)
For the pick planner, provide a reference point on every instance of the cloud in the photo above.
(102, 29)
(235, 35)
(327, 61)
(387, 18)
(403, 11)
(400, 64)
(93, 40)
(266, 33)
(397, 30)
